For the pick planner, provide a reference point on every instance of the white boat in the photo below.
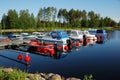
(16, 36)
(89, 36)
(38, 34)
(27, 36)
(76, 35)
(92, 31)
(59, 37)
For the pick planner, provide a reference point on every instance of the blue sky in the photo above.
(110, 8)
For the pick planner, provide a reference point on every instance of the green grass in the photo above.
(55, 28)
(88, 77)
(13, 75)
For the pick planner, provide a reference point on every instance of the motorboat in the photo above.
(89, 36)
(101, 34)
(76, 35)
(92, 31)
(28, 36)
(16, 36)
(76, 38)
(58, 37)
(51, 43)
(38, 34)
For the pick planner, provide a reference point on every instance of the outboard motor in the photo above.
(55, 49)
(68, 44)
(84, 40)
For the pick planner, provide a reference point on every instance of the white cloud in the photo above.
(117, 19)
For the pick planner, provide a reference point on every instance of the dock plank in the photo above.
(16, 42)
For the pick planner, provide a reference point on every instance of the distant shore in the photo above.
(42, 30)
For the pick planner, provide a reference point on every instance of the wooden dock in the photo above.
(15, 42)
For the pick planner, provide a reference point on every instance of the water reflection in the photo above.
(4, 56)
(115, 34)
(26, 64)
(100, 60)
(102, 41)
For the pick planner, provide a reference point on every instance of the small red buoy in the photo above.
(66, 48)
(80, 41)
(27, 58)
(77, 44)
(20, 57)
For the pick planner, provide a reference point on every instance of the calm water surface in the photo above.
(102, 60)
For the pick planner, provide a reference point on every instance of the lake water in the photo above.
(102, 60)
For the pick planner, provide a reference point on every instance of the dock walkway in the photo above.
(15, 42)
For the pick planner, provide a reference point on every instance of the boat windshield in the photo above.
(64, 34)
(55, 35)
(80, 33)
(92, 32)
(73, 33)
(101, 31)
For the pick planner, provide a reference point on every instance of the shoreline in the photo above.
(42, 30)
(16, 74)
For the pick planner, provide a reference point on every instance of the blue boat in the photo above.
(57, 36)
(102, 34)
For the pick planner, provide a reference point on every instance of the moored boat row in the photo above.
(58, 41)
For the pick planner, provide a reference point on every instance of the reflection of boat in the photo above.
(59, 56)
(101, 41)
(27, 64)
(91, 42)
(35, 46)
(101, 34)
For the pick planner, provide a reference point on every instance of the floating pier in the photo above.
(14, 42)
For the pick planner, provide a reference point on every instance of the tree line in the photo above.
(51, 18)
